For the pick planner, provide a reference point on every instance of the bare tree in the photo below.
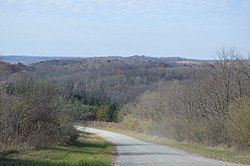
(198, 109)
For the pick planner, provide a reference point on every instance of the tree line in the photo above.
(112, 80)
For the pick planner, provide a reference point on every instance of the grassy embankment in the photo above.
(90, 150)
(219, 153)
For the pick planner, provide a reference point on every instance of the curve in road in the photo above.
(133, 152)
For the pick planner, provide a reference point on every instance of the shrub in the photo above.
(102, 112)
(147, 126)
(35, 115)
(129, 122)
(239, 122)
(107, 112)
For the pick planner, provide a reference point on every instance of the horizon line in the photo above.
(102, 56)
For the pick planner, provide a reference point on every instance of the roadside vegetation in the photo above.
(33, 113)
(88, 150)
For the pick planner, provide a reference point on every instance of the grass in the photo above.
(90, 150)
(218, 153)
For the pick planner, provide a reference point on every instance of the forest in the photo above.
(202, 101)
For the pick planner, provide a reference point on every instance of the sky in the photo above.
(163, 28)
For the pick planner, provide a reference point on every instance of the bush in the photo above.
(34, 114)
(102, 112)
(107, 112)
(239, 122)
(130, 123)
(147, 126)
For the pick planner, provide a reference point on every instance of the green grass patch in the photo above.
(89, 150)
(211, 152)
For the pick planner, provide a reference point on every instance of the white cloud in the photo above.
(79, 11)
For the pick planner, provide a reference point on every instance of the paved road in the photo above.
(133, 152)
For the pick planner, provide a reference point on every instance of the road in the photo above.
(133, 152)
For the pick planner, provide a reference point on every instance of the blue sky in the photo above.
(186, 28)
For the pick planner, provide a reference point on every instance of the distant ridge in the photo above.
(27, 60)
(24, 59)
